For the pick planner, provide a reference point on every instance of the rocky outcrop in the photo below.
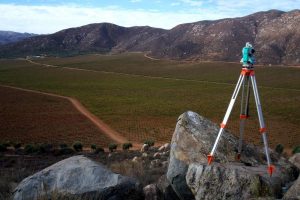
(295, 160)
(192, 178)
(75, 178)
(294, 192)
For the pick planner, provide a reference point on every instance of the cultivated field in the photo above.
(142, 98)
(28, 117)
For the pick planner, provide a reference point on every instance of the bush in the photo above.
(99, 150)
(77, 146)
(63, 145)
(66, 150)
(93, 147)
(7, 143)
(112, 147)
(127, 146)
(296, 149)
(30, 148)
(45, 148)
(2, 148)
(17, 145)
(149, 142)
(279, 148)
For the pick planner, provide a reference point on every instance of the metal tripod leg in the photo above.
(262, 130)
(244, 114)
(224, 122)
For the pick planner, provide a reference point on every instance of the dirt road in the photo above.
(104, 128)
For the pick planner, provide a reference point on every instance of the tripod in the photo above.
(247, 75)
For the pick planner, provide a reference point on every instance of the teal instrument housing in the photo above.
(248, 57)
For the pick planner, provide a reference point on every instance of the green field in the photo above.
(143, 107)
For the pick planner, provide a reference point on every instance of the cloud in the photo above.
(49, 19)
(192, 2)
(135, 1)
(175, 4)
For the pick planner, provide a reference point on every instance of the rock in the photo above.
(136, 159)
(75, 178)
(144, 155)
(192, 178)
(155, 163)
(162, 148)
(294, 191)
(295, 160)
(157, 155)
(166, 190)
(145, 148)
(165, 164)
(167, 146)
(151, 192)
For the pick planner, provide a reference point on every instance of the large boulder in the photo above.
(295, 160)
(76, 178)
(293, 192)
(225, 178)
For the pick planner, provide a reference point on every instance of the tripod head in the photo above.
(248, 58)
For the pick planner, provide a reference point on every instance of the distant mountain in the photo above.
(10, 36)
(274, 34)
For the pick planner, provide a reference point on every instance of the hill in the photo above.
(275, 35)
(10, 36)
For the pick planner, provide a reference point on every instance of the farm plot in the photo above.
(36, 118)
(142, 107)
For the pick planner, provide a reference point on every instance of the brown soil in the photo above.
(31, 116)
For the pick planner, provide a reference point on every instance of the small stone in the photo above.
(157, 155)
(162, 148)
(144, 155)
(167, 146)
(151, 192)
(145, 148)
(136, 159)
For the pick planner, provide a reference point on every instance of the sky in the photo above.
(49, 16)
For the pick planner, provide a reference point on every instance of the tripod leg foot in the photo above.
(271, 169)
(210, 158)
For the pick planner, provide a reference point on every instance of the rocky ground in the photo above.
(174, 171)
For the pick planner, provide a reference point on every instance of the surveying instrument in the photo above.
(246, 79)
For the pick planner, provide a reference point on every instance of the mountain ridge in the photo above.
(274, 34)
(11, 36)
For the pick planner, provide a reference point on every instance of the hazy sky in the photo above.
(48, 16)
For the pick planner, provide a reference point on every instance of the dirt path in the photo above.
(146, 56)
(104, 128)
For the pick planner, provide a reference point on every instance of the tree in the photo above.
(112, 147)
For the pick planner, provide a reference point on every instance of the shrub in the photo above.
(296, 149)
(45, 148)
(112, 147)
(63, 145)
(99, 150)
(66, 150)
(77, 146)
(149, 142)
(30, 148)
(279, 148)
(17, 145)
(7, 143)
(127, 146)
(93, 147)
(2, 148)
